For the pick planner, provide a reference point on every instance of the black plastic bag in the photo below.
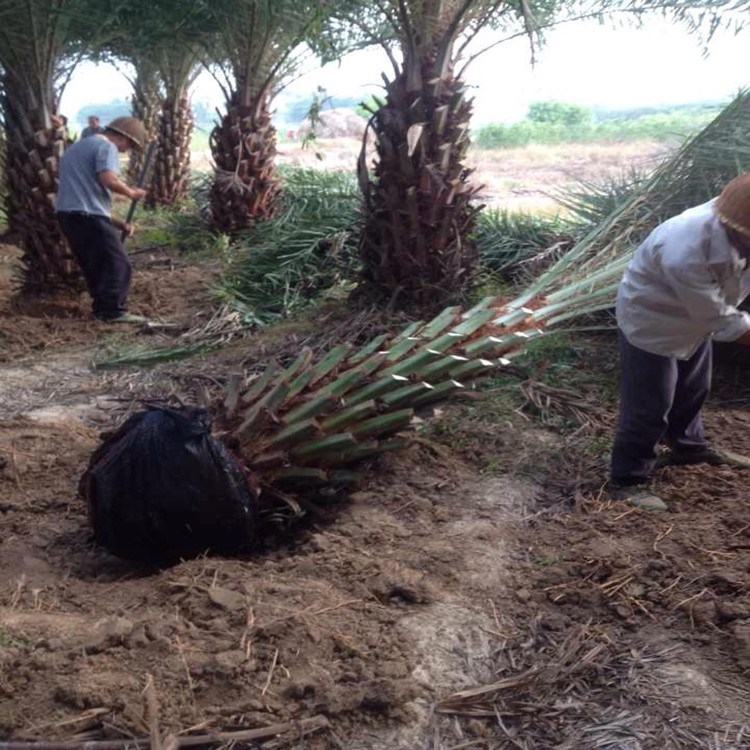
(161, 488)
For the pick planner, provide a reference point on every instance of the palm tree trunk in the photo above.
(245, 187)
(145, 106)
(33, 148)
(415, 245)
(172, 164)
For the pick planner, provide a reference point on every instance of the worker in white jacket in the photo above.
(680, 291)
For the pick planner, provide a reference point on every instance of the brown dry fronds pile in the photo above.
(582, 691)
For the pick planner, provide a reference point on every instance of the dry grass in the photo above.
(579, 691)
(514, 178)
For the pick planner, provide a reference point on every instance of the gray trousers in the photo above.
(660, 401)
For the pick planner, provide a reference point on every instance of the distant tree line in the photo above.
(557, 122)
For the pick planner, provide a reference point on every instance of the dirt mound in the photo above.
(336, 123)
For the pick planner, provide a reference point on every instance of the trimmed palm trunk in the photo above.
(33, 148)
(415, 246)
(145, 106)
(172, 164)
(245, 184)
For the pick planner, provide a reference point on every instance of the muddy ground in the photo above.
(485, 556)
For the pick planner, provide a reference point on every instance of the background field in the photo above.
(520, 178)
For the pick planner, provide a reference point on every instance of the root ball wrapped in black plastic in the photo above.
(161, 488)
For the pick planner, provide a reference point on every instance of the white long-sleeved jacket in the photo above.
(683, 285)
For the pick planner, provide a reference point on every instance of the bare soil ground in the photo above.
(343, 620)
(478, 591)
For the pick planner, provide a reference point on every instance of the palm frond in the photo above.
(307, 249)
(508, 240)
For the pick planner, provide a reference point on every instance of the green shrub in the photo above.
(558, 113)
(657, 127)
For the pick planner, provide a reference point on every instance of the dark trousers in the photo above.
(97, 247)
(660, 401)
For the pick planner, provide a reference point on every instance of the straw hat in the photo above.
(733, 205)
(131, 127)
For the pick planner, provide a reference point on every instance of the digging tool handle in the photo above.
(140, 183)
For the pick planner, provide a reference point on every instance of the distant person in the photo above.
(679, 293)
(94, 127)
(88, 176)
(60, 122)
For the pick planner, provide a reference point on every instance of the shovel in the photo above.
(150, 151)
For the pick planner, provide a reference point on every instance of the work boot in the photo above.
(126, 317)
(715, 456)
(638, 495)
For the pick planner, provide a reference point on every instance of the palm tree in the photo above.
(40, 44)
(162, 55)
(145, 105)
(417, 204)
(178, 68)
(257, 46)
(285, 432)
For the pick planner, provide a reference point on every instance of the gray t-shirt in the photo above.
(79, 188)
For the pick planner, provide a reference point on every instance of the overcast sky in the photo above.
(581, 63)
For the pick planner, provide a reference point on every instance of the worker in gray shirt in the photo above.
(88, 176)
(680, 292)
(94, 127)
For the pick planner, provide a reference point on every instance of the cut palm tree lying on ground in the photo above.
(168, 484)
(163, 487)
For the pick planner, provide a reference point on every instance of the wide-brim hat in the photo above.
(131, 127)
(733, 205)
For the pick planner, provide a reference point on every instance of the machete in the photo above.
(140, 183)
